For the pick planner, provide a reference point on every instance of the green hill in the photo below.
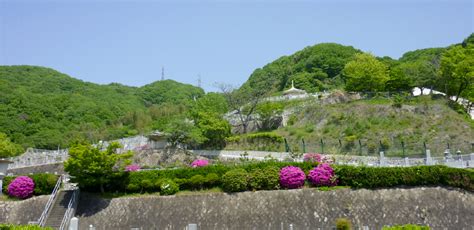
(314, 68)
(42, 108)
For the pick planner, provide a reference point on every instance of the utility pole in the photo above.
(199, 80)
(162, 73)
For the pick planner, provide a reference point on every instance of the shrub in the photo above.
(21, 187)
(132, 168)
(235, 180)
(265, 179)
(168, 187)
(292, 177)
(322, 175)
(44, 183)
(23, 227)
(212, 180)
(312, 157)
(199, 163)
(197, 182)
(407, 227)
(343, 224)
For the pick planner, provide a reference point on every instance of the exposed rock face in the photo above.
(21, 212)
(439, 208)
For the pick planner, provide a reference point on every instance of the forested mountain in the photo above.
(328, 66)
(314, 68)
(42, 108)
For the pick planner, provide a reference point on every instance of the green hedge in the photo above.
(407, 227)
(44, 183)
(22, 227)
(385, 177)
(265, 176)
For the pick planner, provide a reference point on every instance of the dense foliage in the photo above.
(44, 183)
(90, 166)
(8, 148)
(406, 227)
(22, 227)
(42, 108)
(235, 180)
(314, 68)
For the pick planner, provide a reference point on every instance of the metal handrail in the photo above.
(69, 212)
(44, 214)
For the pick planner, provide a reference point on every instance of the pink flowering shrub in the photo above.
(292, 177)
(316, 157)
(132, 168)
(21, 187)
(199, 163)
(312, 157)
(323, 175)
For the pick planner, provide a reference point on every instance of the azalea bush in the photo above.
(199, 163)
(132, 168)
(312, 157)
(319, 158)
(235, 180)
(322, 175)
(292, 177)
(21, 187)
(168, 187)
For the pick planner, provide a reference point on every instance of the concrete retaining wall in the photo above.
(304, 208)
(50, 168)
(21, 212)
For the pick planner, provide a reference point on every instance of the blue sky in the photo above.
(223, 41)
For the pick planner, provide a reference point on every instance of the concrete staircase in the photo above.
(58, 209)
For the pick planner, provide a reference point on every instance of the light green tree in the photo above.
(457, 70)
(8, 148)
(90, 166)
(365, 73)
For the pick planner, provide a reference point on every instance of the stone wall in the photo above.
(440, 208)
(21, 212)
(50, 168)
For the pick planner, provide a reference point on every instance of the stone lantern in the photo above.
(3, 171)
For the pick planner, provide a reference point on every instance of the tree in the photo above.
(421, 73)
(365, 73)
(457, 70)
(91, 167)
(210, 103)
(267, 112)
(8, 148)
(183, 131)
(243, 101)
(398, 81)
(213, 128)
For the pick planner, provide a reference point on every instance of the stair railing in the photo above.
(52, 198)
(71, 210)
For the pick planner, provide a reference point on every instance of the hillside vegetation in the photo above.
(379, 124)
(42, 108)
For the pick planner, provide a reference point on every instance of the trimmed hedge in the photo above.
(22, 227)
(263, 175)
(385, 177)
(44, 183)
(407, 227)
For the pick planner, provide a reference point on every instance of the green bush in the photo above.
(212, 180)
(197, 182)
(168, 187)
(44, 183)
(235, 180)
(265, 179)
(22, 227)
(407, 227)
(343, 224)
(384, 177)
